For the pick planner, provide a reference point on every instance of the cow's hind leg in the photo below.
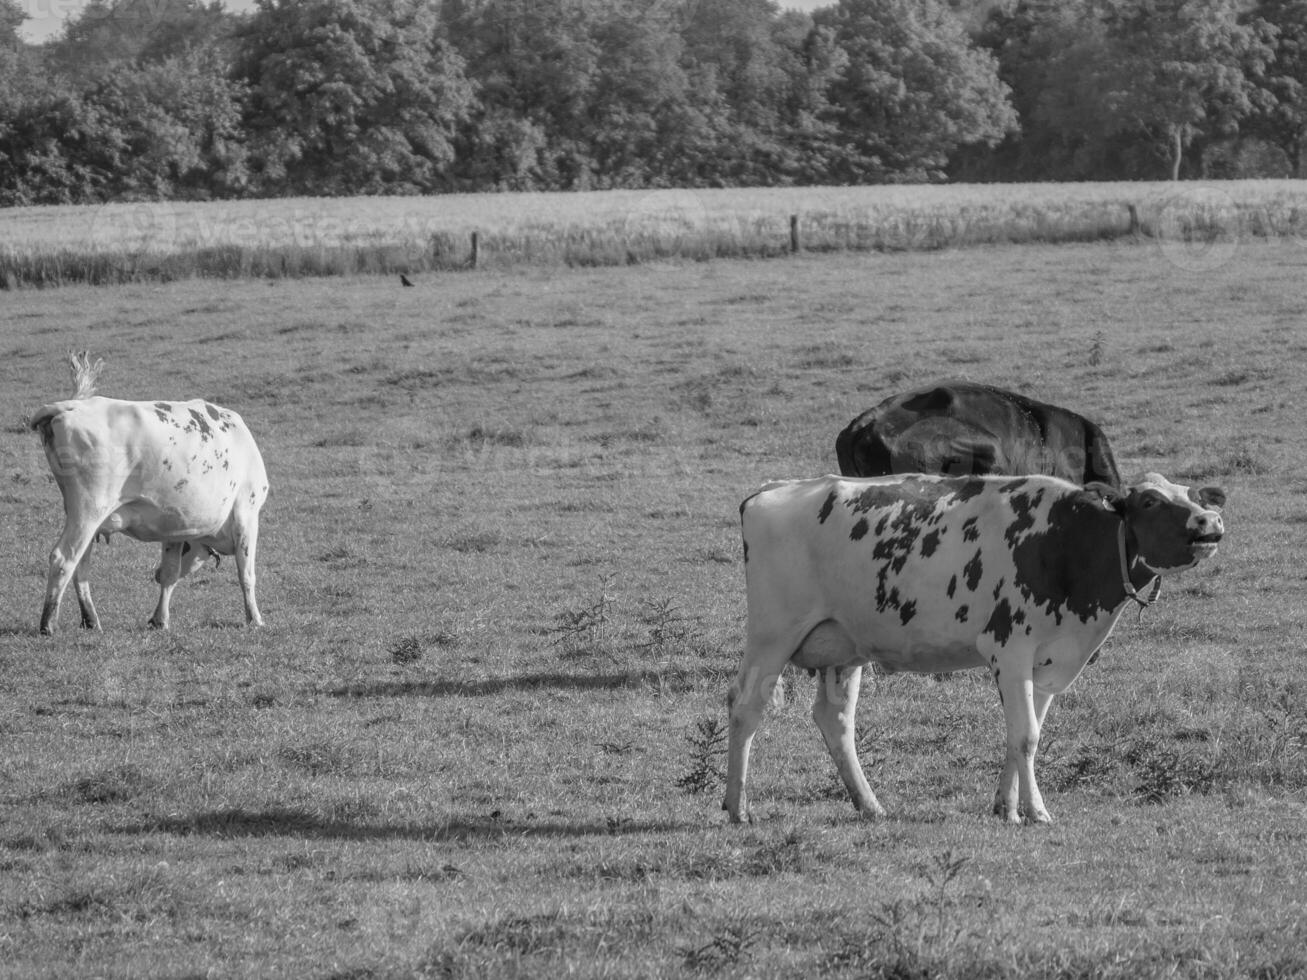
(246, 540)
(746, 699)
(1024, 709)
(167, 575)
(834, 711)
(79, 530)
(82, 585)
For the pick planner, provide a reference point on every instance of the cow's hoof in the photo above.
(154, 624)
(47, 631)
(872, 812)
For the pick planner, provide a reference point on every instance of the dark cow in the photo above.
(961, 428)
(1024, 576)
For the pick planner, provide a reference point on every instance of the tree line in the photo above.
(152, 99)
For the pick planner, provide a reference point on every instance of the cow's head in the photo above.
(1172, 527)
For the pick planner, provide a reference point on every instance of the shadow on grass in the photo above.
(671, 679)
(291, 822)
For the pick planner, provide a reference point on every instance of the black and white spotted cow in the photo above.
(1025, 576)
(186, 474)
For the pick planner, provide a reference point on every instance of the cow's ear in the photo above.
(1106, 495)
(1212, 498)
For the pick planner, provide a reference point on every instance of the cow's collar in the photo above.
(1130, 589)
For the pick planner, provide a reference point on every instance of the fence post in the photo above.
(476, 251)
(794, 233)
(1134, 219)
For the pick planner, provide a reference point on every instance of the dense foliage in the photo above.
(144, 99)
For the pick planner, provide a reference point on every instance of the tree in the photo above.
(574, 94)
(350, 96)
(1177, 69)
(913, 91)
(1280, 97)
(178, 123)
(533, 63)
(109, 33)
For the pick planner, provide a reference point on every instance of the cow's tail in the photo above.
(84, 372)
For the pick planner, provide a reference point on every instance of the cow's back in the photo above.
(963, 428)
(191, 461)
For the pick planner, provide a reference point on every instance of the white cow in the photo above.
(1025, 576)
(186, 474)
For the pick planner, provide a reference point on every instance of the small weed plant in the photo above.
(707, 745)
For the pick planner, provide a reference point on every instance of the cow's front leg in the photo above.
(167, 574)
(834, 711)
(1023, 712)
(748, 695)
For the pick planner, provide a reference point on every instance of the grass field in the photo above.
(500, 573)
(298, 237)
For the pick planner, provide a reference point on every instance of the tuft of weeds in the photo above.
(1096, 349)
(116, 784)
(671, 632)
(707, 742)
(727, 947)
(317, 758)
(406, 650)
(1164, 772)
(919, 937)
(583, 629)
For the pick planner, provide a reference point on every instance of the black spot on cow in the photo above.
(859, 530)
(200, 424)
(164, 412)
(952, 586)
(1000, 623)
(186, 547)
(912, 493)
(963, 489)
(962, 613)
(746, 552)
(907, 611)
(998, 588)
(896, 543)
(881, 525)
(930, 542)
(1012, 486)
(822, 514)
(1073, 566)
(973, 570)
(1047, 663)
(179, 484)
(213, 412)
(1024, 507)
(970, 532)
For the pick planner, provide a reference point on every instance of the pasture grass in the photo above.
(298, 237)
(499, 567)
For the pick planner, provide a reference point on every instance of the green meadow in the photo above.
(478, 736)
